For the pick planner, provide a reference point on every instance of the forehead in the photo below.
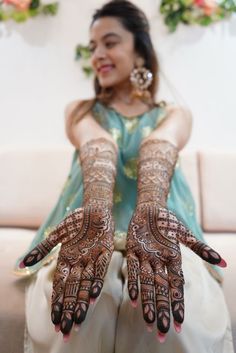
(105, 25)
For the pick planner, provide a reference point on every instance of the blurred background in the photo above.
(39, 74)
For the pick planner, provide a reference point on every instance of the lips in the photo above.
(105, 68)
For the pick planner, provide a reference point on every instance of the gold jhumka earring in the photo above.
(141, 78)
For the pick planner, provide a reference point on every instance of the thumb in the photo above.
(186, 237)
(38, 253)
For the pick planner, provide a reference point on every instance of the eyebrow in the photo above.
(110, 34)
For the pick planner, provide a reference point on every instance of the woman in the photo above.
(121, 216)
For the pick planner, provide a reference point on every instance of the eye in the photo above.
(92, 49)
(110, 44)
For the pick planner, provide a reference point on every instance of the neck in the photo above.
(122, 93)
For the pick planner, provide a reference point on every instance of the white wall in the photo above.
(38, 74)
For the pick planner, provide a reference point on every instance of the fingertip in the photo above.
(92, 300)
(134, 303)
(149, 327)
(57, 328)
(161, 337)
(177, 327)
(21, 264)
(222, 263)
(76, 327)
(66, 337)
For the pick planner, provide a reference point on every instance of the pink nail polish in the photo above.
(177, 327)
(161, 337)
(66, 338)
(134, 303)
(222, 263)
(57, 328)
(76, 327)
(149, 327)
(21, 264)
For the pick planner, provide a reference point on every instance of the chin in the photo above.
(109, 82)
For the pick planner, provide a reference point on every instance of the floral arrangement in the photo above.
(202, 12)
(21, 10)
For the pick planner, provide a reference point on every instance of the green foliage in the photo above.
(191, 12)
(35, 9)
(82, 54)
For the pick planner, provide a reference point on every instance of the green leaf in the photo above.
(34, 4)
(20, 16)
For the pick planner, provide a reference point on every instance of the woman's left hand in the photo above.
(153, 256)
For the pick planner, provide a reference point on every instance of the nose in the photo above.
(99, 53)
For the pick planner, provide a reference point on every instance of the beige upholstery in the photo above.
(217, 178)
(30, 182)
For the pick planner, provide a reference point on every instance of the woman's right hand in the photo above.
(86, 237)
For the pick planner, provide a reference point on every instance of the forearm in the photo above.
(157, 159)
(98, 162)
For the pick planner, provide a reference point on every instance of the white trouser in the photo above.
(112, 325)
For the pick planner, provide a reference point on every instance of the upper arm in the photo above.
(85, 129)
(176, 127)
(68, 121)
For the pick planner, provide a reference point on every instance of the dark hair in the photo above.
(135, 21)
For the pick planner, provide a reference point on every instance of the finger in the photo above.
(70, 298)
(38, 253)
(176, 283)
(147, 292)
(101, 267)
(186, 237)
(133, 271)
(60, 276)
(162, 298)
(84, 294)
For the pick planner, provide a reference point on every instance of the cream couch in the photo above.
(30, 182)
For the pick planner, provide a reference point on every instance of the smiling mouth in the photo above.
(105, 68)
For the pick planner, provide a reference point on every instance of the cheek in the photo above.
(124, 62)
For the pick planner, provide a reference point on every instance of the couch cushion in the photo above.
(225, 244)
(12, 318)
(217, 180)
(30, 182)
(189, 165)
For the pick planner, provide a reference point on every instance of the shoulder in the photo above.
(70, 107)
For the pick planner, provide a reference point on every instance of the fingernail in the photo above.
(21, 264)
(57, 328)
(161, 337)
(66, 338)
(177, 327)
(223, 263)
(149, 327)
(76, 327)
(92, 300)
(134, 303)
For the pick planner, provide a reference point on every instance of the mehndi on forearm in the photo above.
(98, 162)
(157, 159)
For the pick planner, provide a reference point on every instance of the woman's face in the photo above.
(112, 51)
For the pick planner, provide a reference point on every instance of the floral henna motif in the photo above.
(154, 234)
(86, 237)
